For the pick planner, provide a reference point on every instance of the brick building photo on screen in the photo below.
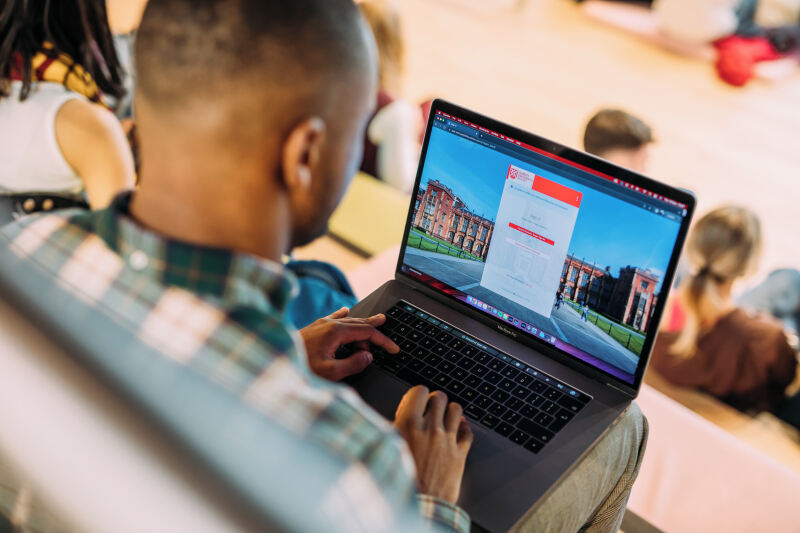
(555, 258)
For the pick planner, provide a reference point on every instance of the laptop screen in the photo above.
(562, 252)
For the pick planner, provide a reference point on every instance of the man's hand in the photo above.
(439, 438)
(326, 335)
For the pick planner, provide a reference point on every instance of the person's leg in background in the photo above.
(593, 496)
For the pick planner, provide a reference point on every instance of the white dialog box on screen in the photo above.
(530, 240)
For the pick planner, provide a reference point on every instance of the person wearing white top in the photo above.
(55, 138)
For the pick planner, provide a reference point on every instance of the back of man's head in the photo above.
(197, 53)
(277, 89)
(619, 137)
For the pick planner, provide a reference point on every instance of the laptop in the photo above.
(529, 287)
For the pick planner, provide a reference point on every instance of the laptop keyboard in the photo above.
(519, 402)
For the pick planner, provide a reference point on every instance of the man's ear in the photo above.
(302, 151)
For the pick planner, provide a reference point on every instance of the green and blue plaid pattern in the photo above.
(221, 315)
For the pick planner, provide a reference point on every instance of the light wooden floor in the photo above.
(546, 68)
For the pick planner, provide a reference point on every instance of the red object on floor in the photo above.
(737, 57)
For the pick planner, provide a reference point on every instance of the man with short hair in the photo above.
(250, 115)
(619, 137)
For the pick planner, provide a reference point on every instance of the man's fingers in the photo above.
(412, 406)
(376, 320)
(452, 419)
(434, 416)
(341, 313)
(350, 332)
(464, 436)
(342, 368)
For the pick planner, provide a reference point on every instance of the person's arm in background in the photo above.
(95, 146)
(395, 130)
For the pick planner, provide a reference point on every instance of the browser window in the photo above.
(564, 253)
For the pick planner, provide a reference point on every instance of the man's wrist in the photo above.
(443, 513)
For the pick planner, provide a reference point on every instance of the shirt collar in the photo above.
(232, 279)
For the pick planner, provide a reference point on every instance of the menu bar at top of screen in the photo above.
(443, 118)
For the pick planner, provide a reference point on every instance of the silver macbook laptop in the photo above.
(529, 288)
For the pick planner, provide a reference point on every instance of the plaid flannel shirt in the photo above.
(220, 314)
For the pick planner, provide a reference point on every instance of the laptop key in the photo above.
(570, 403)
(429, 372)
(453, 356)
(416, 365)
(433, 360)
(406, 318)
(514, 403)
(528, 411)
(490, 421)
(474, 411)
(500, 395)
(419, 352)
(561, 420)
(415, 336)
(538, 386)
(469, 394)
(521, 392)
(456, 344)
(519, 437)
(469, 350)
(510, 372)
(466, 363)
(483, 358)
(523, 379)
(445, 366)
(511, 417)
(472, 380)
(543, 419)
(430, 331)
(535, 430)
(534, 446)
(552, 394)
(550, 407)
(440, 350)
(480, 370)
(394, 311)
(442, 380)
(407, 345)
(456, 387)
(506, 385)
(496, 409)
(459, 373)
(393, 365)
(484, 402)
(428, 343)
(504, 428)
(496, 365)
(419, 324)
(493, 377)
(444, 337)
(486, 388)
(536, 400)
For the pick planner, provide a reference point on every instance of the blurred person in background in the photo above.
(778, 295)
(619, 137)
(391, 143)
(709, 342)
(60, 144)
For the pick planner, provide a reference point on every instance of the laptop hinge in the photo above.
(613, 386)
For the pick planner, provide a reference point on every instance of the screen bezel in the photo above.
(581, 158)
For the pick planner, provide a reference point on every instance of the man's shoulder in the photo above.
(255, 356)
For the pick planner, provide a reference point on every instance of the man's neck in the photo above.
(221, 212)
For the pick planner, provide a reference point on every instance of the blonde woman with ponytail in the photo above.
(708, 342)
